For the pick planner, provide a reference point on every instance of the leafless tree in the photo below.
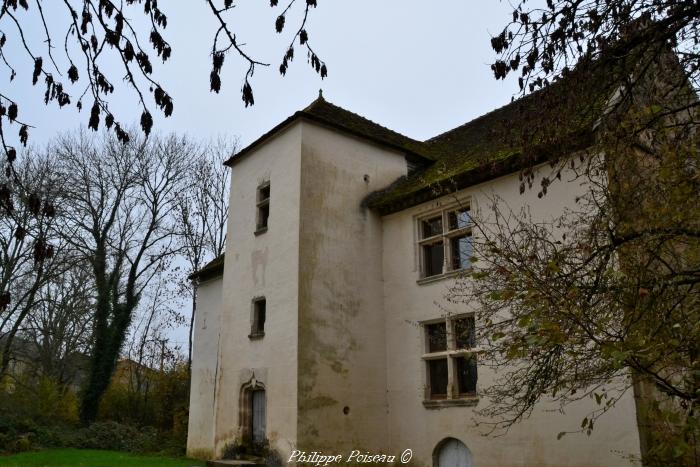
(118, 216)
(59, 326)
(202, 214)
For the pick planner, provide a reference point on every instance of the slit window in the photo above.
(257, 328)
(263, 206)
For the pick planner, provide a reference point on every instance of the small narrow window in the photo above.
(263, 205)
(257, 328)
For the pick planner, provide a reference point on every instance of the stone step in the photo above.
(228, 463)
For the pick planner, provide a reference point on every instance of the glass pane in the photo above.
(438, 378)
(437, 337)
(461, 251)
(264, 193)
(466, 374)
(432, 227)
(433, 257)
(465, 333)
(459, 219)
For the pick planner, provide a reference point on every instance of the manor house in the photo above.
(325, 327)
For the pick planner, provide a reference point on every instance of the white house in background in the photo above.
(313, 332)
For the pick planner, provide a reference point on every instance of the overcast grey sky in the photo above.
(418, 67)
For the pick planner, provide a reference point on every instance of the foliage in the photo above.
(162, 403)
(37, 400)
(602, 299)
(89, 458)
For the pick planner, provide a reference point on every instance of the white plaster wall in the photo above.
(341, 324)
(264, 265)
(411, 425)
(205, 345)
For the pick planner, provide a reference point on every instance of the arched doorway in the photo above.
(451, 452)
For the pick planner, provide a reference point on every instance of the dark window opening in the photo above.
(263, 205)
(432, 227)
(258, 326)
(437, 370)
(433, 257)
(466, 374)
(437, 337)
(465, 333)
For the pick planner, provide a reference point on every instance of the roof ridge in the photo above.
(322, 99)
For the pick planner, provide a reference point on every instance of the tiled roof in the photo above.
(210, 270)
(327, 114)
(554, 121)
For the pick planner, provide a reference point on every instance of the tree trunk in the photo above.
(194, 310)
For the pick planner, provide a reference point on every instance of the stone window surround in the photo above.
(453, 399)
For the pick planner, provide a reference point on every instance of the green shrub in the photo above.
(118, 437)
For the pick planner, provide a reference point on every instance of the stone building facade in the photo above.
(315, 331)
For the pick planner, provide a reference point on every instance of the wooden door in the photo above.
(258, 410)
(454, 453)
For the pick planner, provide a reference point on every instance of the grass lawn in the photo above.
(90, 458)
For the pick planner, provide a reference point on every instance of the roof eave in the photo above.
(480, 174)
(412, 155)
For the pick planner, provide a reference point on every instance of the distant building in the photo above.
(314, 331)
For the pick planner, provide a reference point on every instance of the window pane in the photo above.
(437, 337)
(432, 227)
(459, 219)
(437, 370)
(465, 334)
(461, 252)
(264, 193)
(466, 374)
(433, 257)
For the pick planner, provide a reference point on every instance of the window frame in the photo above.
(451, 354)
(260, 204)
(445, 237)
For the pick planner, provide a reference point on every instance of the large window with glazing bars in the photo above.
(445, 241)
(450, 358)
